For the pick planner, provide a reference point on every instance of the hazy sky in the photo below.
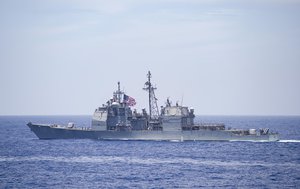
(223, 57)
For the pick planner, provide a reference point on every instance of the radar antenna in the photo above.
(153, 108)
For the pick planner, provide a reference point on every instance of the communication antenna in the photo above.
(153, 108)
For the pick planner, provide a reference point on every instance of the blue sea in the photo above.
(27, 162)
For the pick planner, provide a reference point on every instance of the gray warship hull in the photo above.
(50, 132)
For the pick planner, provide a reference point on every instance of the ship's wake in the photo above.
(289, 141)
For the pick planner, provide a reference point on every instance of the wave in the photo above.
(143, 161)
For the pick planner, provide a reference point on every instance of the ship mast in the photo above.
(118, 94)
(153, 108)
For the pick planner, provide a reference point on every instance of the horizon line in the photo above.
(225, 115)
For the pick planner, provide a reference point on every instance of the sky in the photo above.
(226, 57)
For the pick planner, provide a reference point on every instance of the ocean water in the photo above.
(27, 162)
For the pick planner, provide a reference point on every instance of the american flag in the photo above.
(129, 100)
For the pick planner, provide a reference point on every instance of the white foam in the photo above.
(250, 141)
(293, 141)
(143, 161)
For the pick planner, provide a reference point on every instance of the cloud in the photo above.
(63, 29)
(224, 12)
(103, 7)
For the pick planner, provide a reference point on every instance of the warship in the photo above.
(117, 120)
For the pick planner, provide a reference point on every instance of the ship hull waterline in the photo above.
(48, 132)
